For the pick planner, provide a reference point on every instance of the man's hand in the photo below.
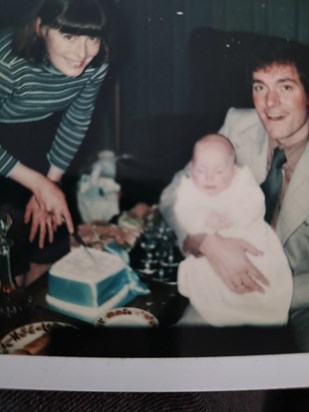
(192, 244)
(229, 259)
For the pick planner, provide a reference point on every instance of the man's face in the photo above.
(281, 103)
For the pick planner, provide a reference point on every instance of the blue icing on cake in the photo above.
(81, 293)
(80, 288)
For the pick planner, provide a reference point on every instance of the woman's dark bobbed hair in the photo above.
(76, 17)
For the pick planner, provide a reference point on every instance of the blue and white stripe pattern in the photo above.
(34, 92)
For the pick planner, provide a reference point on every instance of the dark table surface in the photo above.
(166, 340)
(164, 302)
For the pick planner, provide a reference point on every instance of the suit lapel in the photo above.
(295, 205)
(252, 151)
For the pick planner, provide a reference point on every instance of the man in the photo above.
(279, 74)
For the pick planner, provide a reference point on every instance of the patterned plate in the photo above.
(127, 317)
(24, 335)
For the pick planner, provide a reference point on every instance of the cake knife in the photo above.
(80, 241)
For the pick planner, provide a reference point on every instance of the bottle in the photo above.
(16, 304)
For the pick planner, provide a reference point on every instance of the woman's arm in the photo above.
(55, 174)
(75, 122)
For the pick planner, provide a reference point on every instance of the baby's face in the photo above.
(212, 169)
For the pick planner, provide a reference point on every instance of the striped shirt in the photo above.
(31, 92)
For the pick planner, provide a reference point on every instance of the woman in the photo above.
(54, 64)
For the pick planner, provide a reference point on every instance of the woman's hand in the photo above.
(42, 222)
(53, 200)
(47, 194)
(228, 257)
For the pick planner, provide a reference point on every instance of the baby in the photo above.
(221, 197)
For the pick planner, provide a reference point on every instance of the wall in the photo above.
(154, 73)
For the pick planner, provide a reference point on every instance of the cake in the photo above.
(82, 287)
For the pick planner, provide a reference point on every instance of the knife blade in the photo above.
(80, 241)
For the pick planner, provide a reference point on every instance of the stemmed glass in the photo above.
(5, 245)
(15, 302)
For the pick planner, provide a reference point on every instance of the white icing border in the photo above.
(78, 266)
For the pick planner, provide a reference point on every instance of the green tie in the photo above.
(273, 183)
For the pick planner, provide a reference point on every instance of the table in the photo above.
(164, 302)
(167, 340)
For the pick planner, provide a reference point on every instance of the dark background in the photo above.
(154, 77)
(150, 73)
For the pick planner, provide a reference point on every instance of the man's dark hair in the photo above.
(281, 51)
